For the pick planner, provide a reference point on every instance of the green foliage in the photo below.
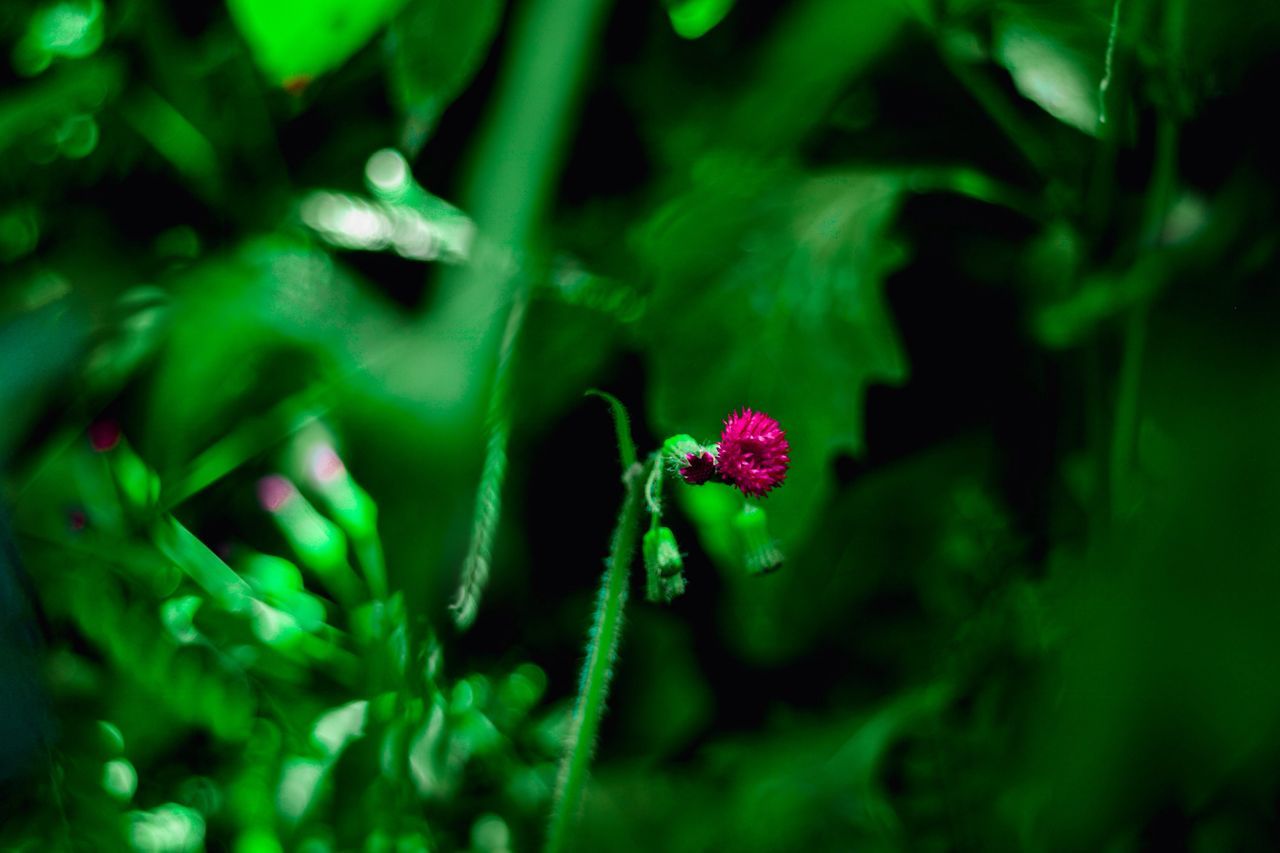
(298, 306)
(769, 294)
(1057, 58)
(434, 48)
(695, 18)
(298, 41)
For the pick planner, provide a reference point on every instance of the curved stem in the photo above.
(1109, 62)
(602, 648)
(1124, 432)
(622, 426)
(488, 511)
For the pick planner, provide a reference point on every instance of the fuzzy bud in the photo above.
(664, 565)
(760, 553)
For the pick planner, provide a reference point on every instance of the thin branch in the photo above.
(1105, 84)
(488, 511)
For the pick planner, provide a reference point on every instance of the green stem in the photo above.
(973, 184)
(602, 648)
(1124, 431)
(488, 511)
(621, 425)
(1109, 61)
(512, 176)
(1125, 428)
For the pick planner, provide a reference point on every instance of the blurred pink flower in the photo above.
(274, 492)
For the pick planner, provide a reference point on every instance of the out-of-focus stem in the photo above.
(1124, 430)
(511, 177)
(518, 157)
(488, 512)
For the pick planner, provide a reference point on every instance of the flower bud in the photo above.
(760, 553)
(664, 566)
(695, 463)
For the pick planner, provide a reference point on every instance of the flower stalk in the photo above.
(604, 638)
(752, 455)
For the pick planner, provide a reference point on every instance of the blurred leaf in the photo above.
(819, 785)
(71, 29)
(215, 577)
(884, 537)
(434, 48)
(695, 18)
(814, 52)
(35, 348)
(272, 300)
(178, 616)
(768, 296)
(176, 139)
(419, 227)
(1055, 60)
(1169, 629)
(1210, 49)
(662, 696)
(295, 41)
(566, 351)
(171, 828)
(44, 104)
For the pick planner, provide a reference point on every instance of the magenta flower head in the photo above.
(699, 467)
(753, 453)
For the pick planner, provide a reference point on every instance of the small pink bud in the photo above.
(325, 466)
(753, 453)
(104, 435)
(274, 492)
(699, 468)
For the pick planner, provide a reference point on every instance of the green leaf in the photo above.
(693, 19)
(71, 30)
(434, 49)
(1056, 61)
(296, 40)
(768, 295)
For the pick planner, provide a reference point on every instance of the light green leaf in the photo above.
(1058, 64)
(70, 30)
(296, 40)
(693, 19)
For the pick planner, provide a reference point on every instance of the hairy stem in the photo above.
(603, 640)
(602, 648)
(488, 511)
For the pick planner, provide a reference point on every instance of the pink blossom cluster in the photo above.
(753, 454)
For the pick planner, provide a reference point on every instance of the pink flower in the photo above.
(698, 468)
(753, 452)
(326, 466)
